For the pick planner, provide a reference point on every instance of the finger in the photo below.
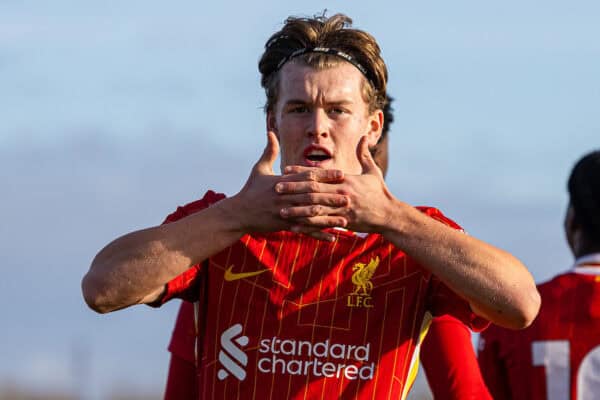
(315, 215)
(313, 210)
(303, 187)
(267, 159)
(293, 187)
(321, 221)
(298, 172)
(365, 158)
(296, 169)
(326, 199)
(325, 236)
(315, 233)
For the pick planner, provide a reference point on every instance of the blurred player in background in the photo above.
(318, 283)
(558, 356)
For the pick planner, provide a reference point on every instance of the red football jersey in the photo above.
(284, 315)
(558, 356)
(447, 356)
(449, 361)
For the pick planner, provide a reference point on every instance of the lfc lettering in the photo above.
(361, 278)
(354, 300)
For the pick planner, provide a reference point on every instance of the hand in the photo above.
(325, 206)
(369, 205)
(258, 205)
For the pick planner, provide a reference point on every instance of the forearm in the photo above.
(134, 268)
(496, 284)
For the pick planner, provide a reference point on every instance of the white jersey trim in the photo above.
(588, 264)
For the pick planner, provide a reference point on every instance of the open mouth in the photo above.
(316, 155)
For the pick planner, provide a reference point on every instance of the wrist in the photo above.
(230, 213)
(396, 217)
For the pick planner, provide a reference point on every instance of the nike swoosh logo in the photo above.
(232, 276)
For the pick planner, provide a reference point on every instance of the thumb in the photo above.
(365, 158)
(265, 163)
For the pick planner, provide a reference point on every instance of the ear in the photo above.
(374, 128)
(572, 230)
(380, 154)
(272, 123)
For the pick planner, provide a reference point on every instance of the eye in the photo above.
(337, 110)
(299, 109)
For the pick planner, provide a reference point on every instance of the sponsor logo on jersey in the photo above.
(231, 356)
(327, 359)
(234, 276)
(279, 356)
(361, 279)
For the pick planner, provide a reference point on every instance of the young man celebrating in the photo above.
(292, 303)
(558, 356)
(181, 379)
(446, 354)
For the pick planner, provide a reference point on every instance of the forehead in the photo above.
(340, 83)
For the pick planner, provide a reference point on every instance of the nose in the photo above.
(318, 124)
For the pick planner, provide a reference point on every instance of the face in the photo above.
(320, 117)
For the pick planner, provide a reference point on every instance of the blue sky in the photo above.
(113, 113)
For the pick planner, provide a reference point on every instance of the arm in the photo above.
(134, 268)
(449, 361)
(497, 285)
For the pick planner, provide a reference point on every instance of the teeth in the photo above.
(317, 153)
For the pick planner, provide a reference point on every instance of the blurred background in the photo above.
(113, 113)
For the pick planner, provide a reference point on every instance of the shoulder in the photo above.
(570, 296)
(560, 284)
(207, 200)
(438, 216)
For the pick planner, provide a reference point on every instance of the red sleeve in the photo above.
(187, 285)
(449, 361)
(182, 382)
(445, 302)
(208, 199)
(493, 368)
(438, 216)
(183, 338)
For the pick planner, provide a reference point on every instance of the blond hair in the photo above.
(335, 33)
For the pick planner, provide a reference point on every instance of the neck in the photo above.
(587, 248)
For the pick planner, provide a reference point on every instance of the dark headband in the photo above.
(333, 52)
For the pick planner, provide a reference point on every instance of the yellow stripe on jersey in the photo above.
(414, 362)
